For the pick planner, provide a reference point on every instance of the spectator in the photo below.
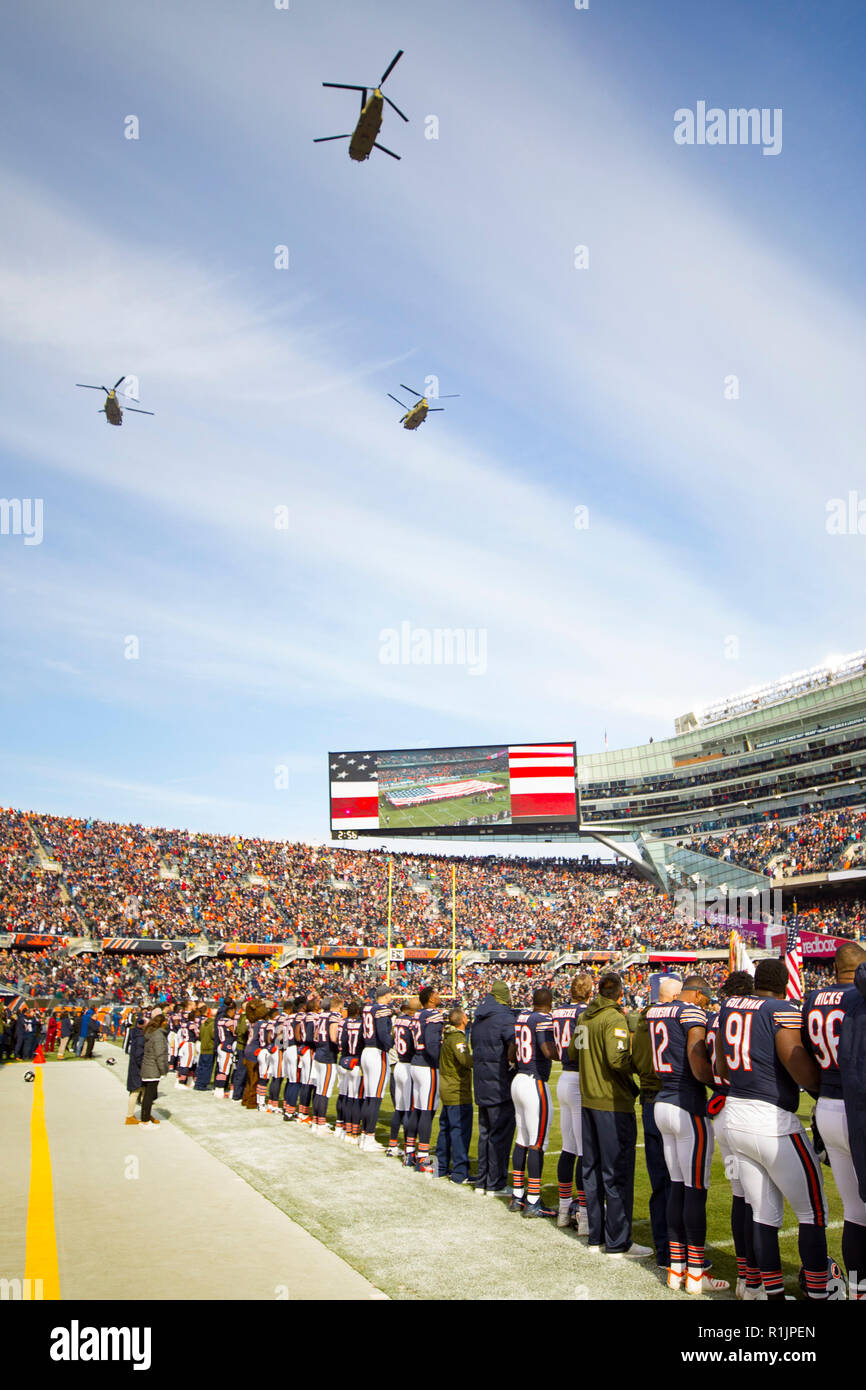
(94, 1028)
(455, 1095)
(154, 1063)
(135, 1045)
(492, 1033)
(65, 1033)
(609, 1126)
(83, 1030)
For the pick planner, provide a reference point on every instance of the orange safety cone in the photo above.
(40, 1055)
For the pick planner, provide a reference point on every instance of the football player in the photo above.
(187, 1036)
(290, 1061)
(226, 1036)
(677, 1031)
(532, 1052)
(823, 1012)
(305, 1026)
(265, 1056)
(401, 1083)
(750, 1286)
(326, 1036)
(279, 1038)
(427, 1025)
(570, 1166)
(760, 1052)
(351, 1081)
(377, 1040)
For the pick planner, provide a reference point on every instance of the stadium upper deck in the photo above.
(783, 750)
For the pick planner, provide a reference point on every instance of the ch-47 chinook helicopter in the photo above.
(112, 409)
(362, 141)
(416, 414)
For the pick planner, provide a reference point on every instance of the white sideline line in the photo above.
(794, 1231)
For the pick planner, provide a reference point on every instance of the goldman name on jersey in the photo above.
(76, 1343)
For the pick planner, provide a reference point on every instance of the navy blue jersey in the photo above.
(326, 1051)
(376, 1026)
(404, 1038)
(306, 1029)
(255, 1039)
(823, 1011)
(564, 1023)
(747, 1037)
(350, 1038)
(669, 1027)
(427, 1028)
(282, 1030)
(530, 1031)
(720, 1087)
(226, 1031)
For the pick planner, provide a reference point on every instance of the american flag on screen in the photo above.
(794, 962)
(439, 791)
(542, 781)
(354, 791)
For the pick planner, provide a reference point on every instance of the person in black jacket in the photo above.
(94, 1028)
(492, 1032)
(135, 1048)
(852, 1073)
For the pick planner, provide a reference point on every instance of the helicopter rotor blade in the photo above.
(119, 380)
(393, 63)
(135, 410)
(400, 403)
(377, 146)
(451, 396)
(411, 390)
(85, 387)
(397, 109)
(431, 408)
(345, 86)
(322, 139)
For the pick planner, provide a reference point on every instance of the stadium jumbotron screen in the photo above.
(424, 791)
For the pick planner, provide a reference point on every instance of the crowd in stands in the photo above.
(812, 844)
(104, 880)
(90, 878)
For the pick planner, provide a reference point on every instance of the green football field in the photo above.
(451, 812)
(720, 1246)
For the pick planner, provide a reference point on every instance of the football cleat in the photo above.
(516, 1203)
(539, 1209)
(758, 1294)
(563, 1220)
(703, 1284)
(393, 1152)
(582, 1224)
(676, 1278)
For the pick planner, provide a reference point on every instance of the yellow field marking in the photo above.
(40, 1263)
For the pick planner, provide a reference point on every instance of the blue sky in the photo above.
(259, 648)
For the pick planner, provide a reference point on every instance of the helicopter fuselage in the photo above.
(368, 127)
(113, 412)
(416, 416)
